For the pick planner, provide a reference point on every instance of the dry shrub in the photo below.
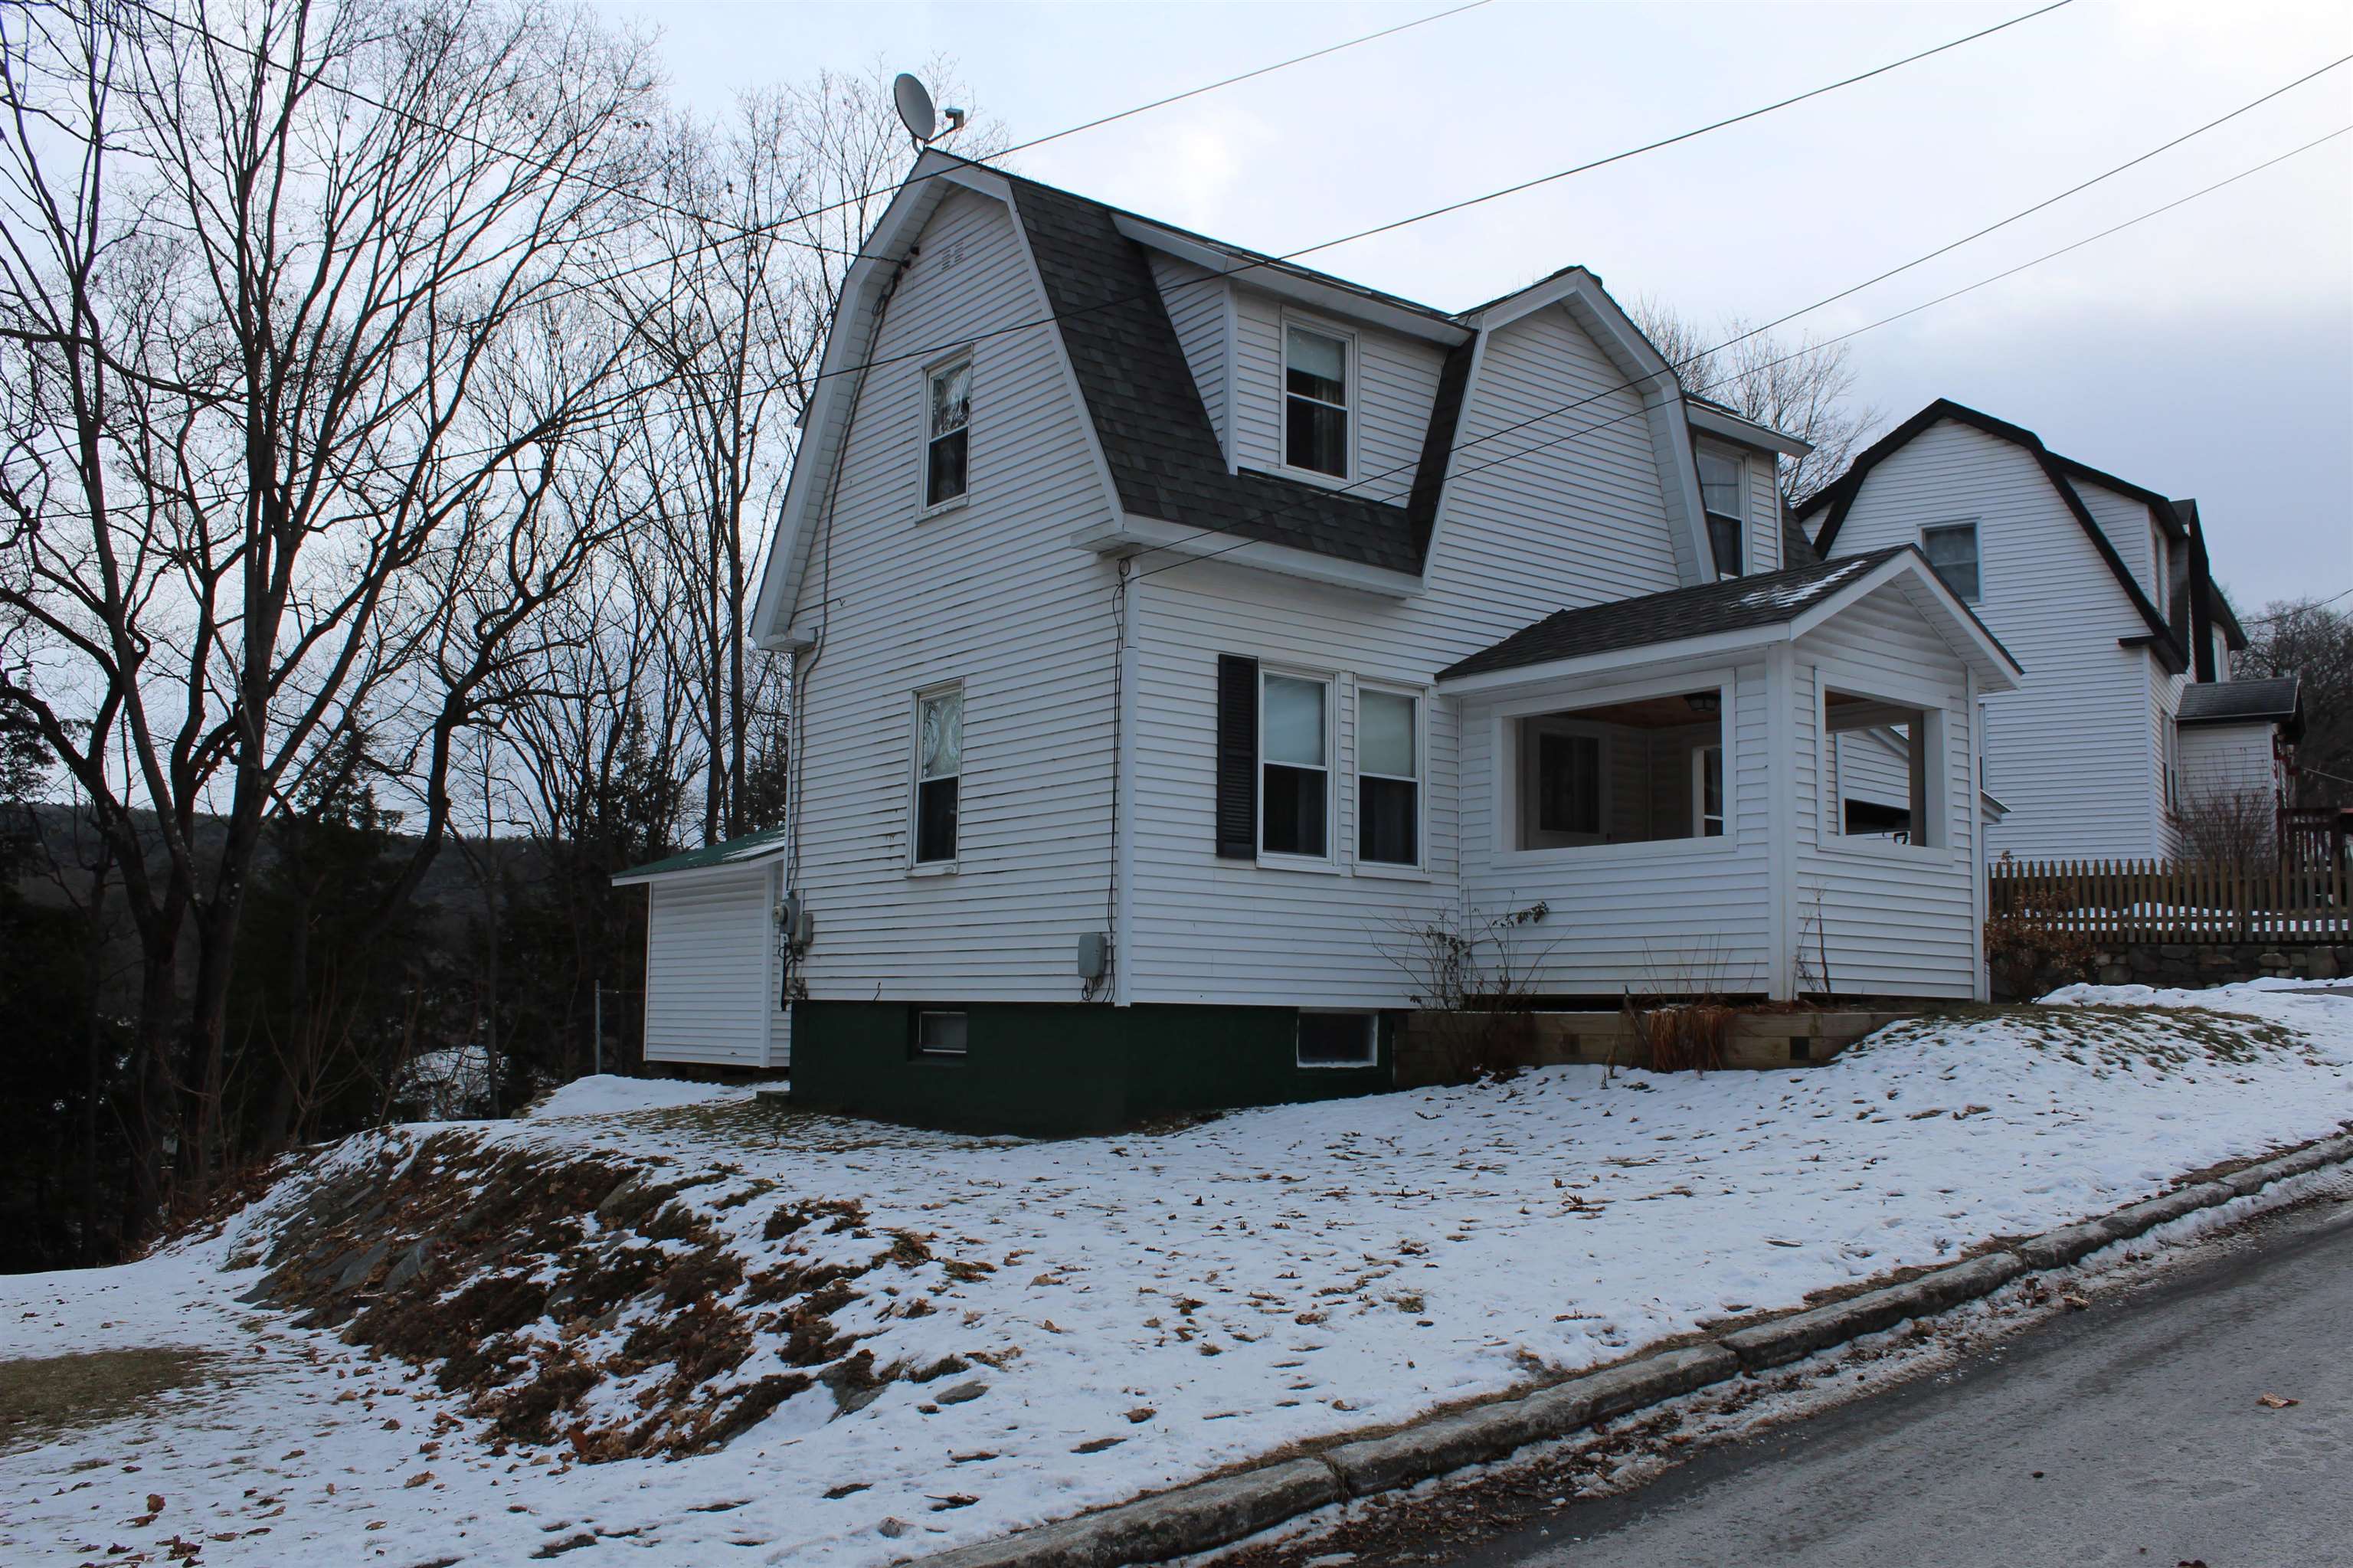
(1688, 1036)
(2029, 955)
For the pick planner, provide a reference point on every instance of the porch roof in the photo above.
(2275, 701)
(743, 851)
(1737, 611)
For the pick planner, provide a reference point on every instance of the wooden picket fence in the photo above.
(2156, 901)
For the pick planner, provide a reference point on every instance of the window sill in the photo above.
(1335, 1066)
(1864, 849)
(955, 504)
(933, 868)
(1616, 854)
(1299, 862)
(1315, 476)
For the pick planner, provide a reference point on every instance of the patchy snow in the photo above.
(1156, 1305)
(609, 1093)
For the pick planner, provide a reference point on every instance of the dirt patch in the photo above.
(42, 1397)
(529, 1278)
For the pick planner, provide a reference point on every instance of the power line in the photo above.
(1627, 386)
(262, 58)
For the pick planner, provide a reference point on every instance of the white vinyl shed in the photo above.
(714, 980)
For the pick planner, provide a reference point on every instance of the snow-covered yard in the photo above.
(1094, 1318)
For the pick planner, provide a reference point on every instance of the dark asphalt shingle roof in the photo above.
(1733, 605)
(2239, 702)
(1155, 435)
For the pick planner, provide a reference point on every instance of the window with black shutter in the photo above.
(1237, 756)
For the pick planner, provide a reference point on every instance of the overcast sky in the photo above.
(2206, 353)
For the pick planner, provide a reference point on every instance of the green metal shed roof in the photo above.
(750, 847)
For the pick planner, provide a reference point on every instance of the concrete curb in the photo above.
(1210, 1514)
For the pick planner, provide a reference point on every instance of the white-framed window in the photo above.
(1389, 776)
(1295, 749)
(1952, 550)
(1565, 790)
(938, 775)
(940, 1032)
(1724, 492)
(1318, 393)
(947, 431)
(1338, 1039)
(1707, 791)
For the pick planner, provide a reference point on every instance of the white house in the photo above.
(1177, 632)
(2130, 720)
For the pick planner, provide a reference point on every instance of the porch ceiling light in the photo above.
(1705, 701)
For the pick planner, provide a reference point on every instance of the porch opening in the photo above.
(1625, 772)
(1881, 758)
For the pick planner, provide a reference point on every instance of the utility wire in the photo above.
(262, 58)
(1873, 326)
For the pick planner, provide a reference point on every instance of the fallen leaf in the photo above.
(2276, 1401)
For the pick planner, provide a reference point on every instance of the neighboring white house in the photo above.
(2127, 720)
(1181, 637)
(714, 966)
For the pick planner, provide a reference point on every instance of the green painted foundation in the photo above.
(1047, 1069)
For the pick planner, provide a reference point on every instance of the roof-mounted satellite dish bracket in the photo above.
(916, 113)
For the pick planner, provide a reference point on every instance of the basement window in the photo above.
(940, 1034)
(1338, 1039)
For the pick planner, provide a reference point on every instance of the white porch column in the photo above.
(1780, 818)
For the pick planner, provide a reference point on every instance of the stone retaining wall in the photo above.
(2190, 965)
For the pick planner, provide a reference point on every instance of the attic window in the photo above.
(947, 431)
(1721, 493)
(1315, 401)
(1952, 550)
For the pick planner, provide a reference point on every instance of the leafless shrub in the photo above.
(2231, 830)
(2025, 951)
(1472, 984)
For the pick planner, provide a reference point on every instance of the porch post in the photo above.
(1780, 817)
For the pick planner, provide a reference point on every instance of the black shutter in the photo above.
(1237, 756)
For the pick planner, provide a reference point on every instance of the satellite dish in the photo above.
(914, 108)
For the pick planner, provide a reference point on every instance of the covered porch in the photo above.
(1665, 776)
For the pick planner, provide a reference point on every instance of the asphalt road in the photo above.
(2128, 1432)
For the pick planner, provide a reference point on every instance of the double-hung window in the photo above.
(1722, 494)
(1315, 401)
(1294, 765)
(1952, 550)
(947, 431)
(1388, 779)
(939, 766)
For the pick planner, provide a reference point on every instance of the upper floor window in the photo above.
(1952, 549)
(939, 768)
(947, 430)
(1315, 401)
(1722, 492)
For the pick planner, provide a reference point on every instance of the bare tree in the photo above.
(1804, 389)
(2231, 830)
(2313, 641)
(299, 322)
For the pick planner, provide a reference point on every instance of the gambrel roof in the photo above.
(1839, 497)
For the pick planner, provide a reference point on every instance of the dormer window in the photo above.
(1315, 401)
(1723, 494)
(947, 415)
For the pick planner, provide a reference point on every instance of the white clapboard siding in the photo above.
(1678, 916)
(2076, 758)
(1397, 382)
(710, 968)
(990, 593)
(2128, 526)
(1200, 306)
(1764, 514)
(1882, 918)
(1580, 522)
(2228, 761)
